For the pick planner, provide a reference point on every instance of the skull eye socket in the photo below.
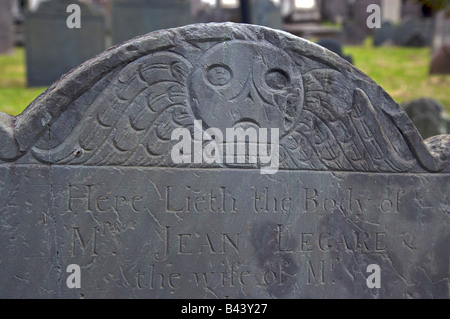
(277, 79)
(219, 75)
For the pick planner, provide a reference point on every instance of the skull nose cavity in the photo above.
(249, 98)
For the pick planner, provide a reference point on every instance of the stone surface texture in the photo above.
(87, 178)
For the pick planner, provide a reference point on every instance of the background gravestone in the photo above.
(87, 177)
(414, 33)
(384, 35)
(6, 27)
(137, 17)
(52, 49)
(428, 116)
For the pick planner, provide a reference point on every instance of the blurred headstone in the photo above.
(137, 17)
(266, 13)
(6, 27)
(384, 35)
(414, 33)
(428, 116)
(441, 61)
(334, 46)
(52, 48)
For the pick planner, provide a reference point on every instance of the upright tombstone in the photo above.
(119, 169)
(384, 35)
(428, 116)
(53, 48)
(131, 18)
(6, 27)
(414, 33)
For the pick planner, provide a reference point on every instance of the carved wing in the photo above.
(340, 130)
(131, 121)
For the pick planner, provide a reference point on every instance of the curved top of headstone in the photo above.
(121, 107)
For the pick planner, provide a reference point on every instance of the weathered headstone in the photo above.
(89, 177)
(52, 48)
(334, 46)
(440, 64)
(132, 18)
(6, 27)
(414, 33)
(385, 35)
(428, 116)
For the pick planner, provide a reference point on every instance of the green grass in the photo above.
(402, 72)
(14, 95)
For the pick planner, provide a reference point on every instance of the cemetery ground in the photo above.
(402, 72)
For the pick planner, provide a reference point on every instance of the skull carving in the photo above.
(240, 84)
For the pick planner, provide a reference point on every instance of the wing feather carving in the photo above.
(131, 121)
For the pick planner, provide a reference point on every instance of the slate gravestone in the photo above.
(428, 116)
(384, 35)
(52, 48)
(6, 27)
(414, 33)
(88, 177)
(132, 18)
(440, 63)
